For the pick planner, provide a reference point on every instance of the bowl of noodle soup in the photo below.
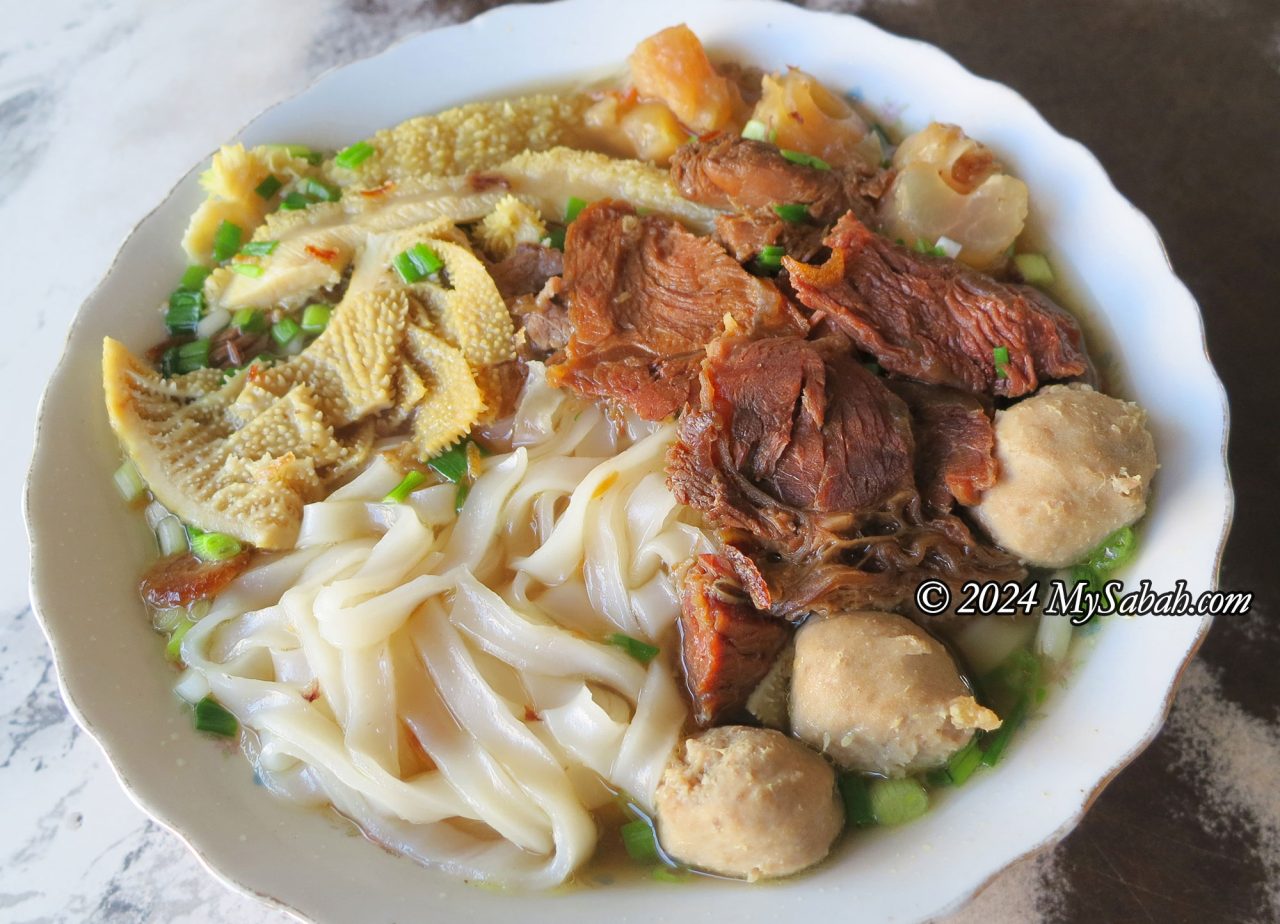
(567, 519)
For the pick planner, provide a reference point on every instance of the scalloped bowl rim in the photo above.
(239, 834)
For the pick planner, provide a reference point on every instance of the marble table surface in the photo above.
(105, 103)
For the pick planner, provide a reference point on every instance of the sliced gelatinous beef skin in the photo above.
(645, 296)
(935, 320)
(728, 645)
(955, 443)
(787, 431)
(180, 580)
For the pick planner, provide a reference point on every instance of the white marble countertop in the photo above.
(104, 104)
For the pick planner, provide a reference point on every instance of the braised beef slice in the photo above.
(955, 444)
(728, 646)
(526, 270)
(786, 431)
(645, 296)
(935, 320)
(746, 234)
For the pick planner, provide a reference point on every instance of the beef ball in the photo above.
(747, 802)
(1075, 466)
(877, 693)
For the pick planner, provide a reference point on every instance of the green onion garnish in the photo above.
(215, 546)
(998, 740)
(641, 651)
(315, 318)
(417, 263)
(173, 648)
(295, 201)
(184, 311)
(128, 482)
(212, 718)
(460, 498)
(192, 356)
(354, 156)
(924, 247)
(193, 277)
(895, 802)
(795, 212)
(571, 210)
(1091, 579)
(1114, 551)
(298, 150)
(664, 873)
(960, 766)
(451, 465)
(807, 160)
(555, 238)
(284, 330)
(400, 493)
(268, 187)
(755, 130)
(1034, 268)
(856, 796)
(640, 841)
(1000, 356)
(260, 248)
(249, 321)
(770, 257)
(226, 241)
(318, 190)
(252, 270)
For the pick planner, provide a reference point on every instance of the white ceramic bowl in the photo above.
(88, 550)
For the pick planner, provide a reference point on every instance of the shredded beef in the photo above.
(787, 431)
(728, 646)
(955, 444)
(936, 320)
(645, 296)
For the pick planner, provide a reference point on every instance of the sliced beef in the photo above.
(787, 433)
(955, 444)
(526, 270)
(180, 580)
(645, 296)
(746, 234)
(935, 320)
(543, 320)
(728, 645)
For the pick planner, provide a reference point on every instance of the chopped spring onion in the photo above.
(252, 270)
(1114, 551)
(555, 238)
(664, 873)
(948, 247)
(931, 250)
(354, 156)
(168, 619)
(451, 465)
(1053, 637)
(1089, 577)
(226, 241)
(295, 201)
(128, 482)
(895, 802)
(1000, 356)
(213, 322)
(173, 648)
(249, 321)
(571, 210)
(769, 259)
(260, 248)
(315, 318)
(795, 212)
(191, 356)
(184, 311)
(755, 130)
(408, 484)
(640, 841)
(856, 796)
(318, 190)
(960, 766)
(193, 277)
(268, 187)
(807, 160)
(211, 717)
(641, 651)
(460, 498)
(1034, 268)
(285, 330)
(298, 150)
(417, 263)
(998, 740)
(215, 546)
